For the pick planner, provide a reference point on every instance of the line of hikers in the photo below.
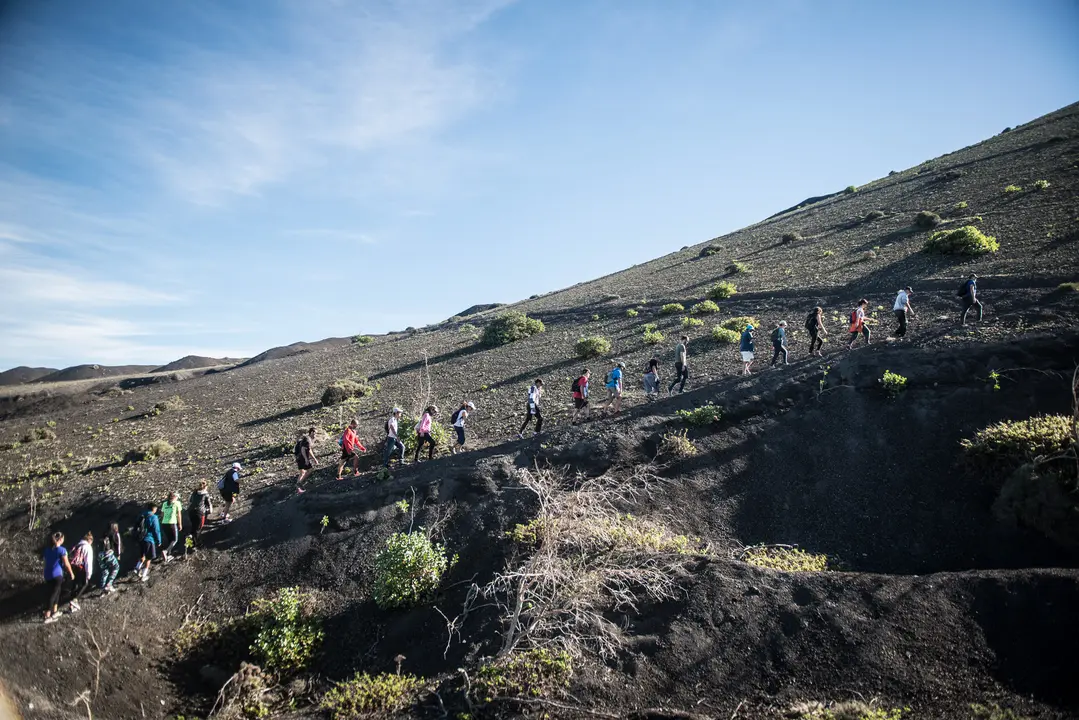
(158, 532)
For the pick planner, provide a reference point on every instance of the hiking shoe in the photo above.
(520, 436)
(73, 607)
(168, 558)
(52, 618)
(300, 490)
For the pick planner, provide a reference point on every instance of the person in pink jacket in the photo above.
(423, 433)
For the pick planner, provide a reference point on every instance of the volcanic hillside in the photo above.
(614, 568)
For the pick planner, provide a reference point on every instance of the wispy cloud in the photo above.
(22, 286)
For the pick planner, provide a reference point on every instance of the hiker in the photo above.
(681, 367)
(393, 443)
(746, 348)
(533, 408)
(423, 433)
(113, 535)
(350, 443)
(815, 326)
(614, 388)
(149, 539)
(857, 324)
(779, 342)
(579, 391)
(56, 566)
(305, 456)
(651, 380)
(82, 564)
(229, 485)
(199, 508)
(968, 292)
(172, 524)
(458, 420)
(902, 308)
(110, 565)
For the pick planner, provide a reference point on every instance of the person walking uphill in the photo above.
(305, 456)
(746, 348)
(350, 444)
(779, 342)
(229, 485)
(857, 324)
(902, 308)
(423, 433)
(533, 408)
(815, 326)
(393, 443)
(614, 388)
(56, 566)
(458, 420)
(968, 292)
(681, 366)
(199, 508)
(110, 565)
(172, 524)
(579, 391)
(149, 540)
(82, 563)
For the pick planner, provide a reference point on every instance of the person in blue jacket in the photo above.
(779, 342)
(746, 349)
(149, 539)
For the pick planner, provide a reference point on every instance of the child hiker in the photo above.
(110, 565)
(199, 508)
(532, 410)
(82, 563)
(149, 539)
(172, 524)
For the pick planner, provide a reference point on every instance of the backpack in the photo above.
(775, 336)
(456, 414)
(811, 322)
(298, 450)
(143, 529)
(576, 386)
(608, 378)
(962, 289)
(853, 317)
(221, 482)
(387, 427)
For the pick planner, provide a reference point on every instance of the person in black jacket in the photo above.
(229, 485)
(199, 508)
(305, 456)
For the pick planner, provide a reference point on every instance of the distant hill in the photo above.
(23, 374)
(92, 372)
(193, 362)
(285, 351)
(475, 309)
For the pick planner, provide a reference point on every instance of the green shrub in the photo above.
(893, 383)
(722, 335)
(967, 240)
(1068, 287)
(150, 451)
(39, 435)
(992, 711)
(1011, 443)
(677, 444)
(850, 189)
(632, 313)
(722, 290)
(406, 433)
(653, 337)
(705, 307)
(710, 250)
(286, 632)
(960, 206)
(737, 268)
(791, 237)
(590, 347)
(738, 324)
(169, 404)
(671, 309)
(926, 220)
(467, 328)
(408, 570)
(649, 327)
(827, 253)
(874, 215)
(689, 322)
(788, 559)
(705, 415)
(1041, 184)
(341, 390)
(595, 318)
(369, 696)
(1013, 189)
(510, 327)
(362, 339)
(532, 673)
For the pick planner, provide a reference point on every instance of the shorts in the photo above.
(347, 456)
(747, 355)
(226, 496)
(460, 434)
(149, 550)
(580, 402)
(614, 391)
(303, 464)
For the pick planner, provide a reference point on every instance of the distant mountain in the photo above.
(193, 362)
(23, 374)
(285, 351)
(92, 372)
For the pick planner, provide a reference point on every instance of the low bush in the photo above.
(677, 444)
(960, 206)
(532, 673)
(926, 220)
(632, 313)
(341, 390)
(791, 237)
(722, 290)
(150, 451)
(705, 307)
(406, 433)
(1011, 443)
(653, 337)
(827, 253)
(648, 327)
(41, 434)
(848, 710)
(1041, 184)
(893, 383)
(409, 570)
(510, 327)
(1068, 287)
(967, 240)
(672, 308)
(362, 340)
(690, 322)
(738, 324)
(705, 415)
(369, 696)
(595, 318)
(850, 189)
(874, 215)
(722, 335)
(467, 328)
(710, 250)
(287, 634)
(1013, 189)
(781, 557)
(590, 347)
(170, 404)
(992, 711)
(737, 268)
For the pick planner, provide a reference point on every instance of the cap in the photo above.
(621, 365)
(237, 466)
(909, 289)
(973, 275)
(783, 323)
(749, 327)
(395, 411)
(471, 405)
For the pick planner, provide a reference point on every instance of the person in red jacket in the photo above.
(351, 447)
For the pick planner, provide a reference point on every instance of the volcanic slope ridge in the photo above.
(930, 601)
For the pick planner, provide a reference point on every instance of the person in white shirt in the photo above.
(533, 408)
(902, 308)
(393, 443)
(459, 418)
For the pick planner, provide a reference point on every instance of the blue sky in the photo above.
(221, 177)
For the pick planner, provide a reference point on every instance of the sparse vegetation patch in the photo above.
(677, 444)
(672, 308)
(371, 696)
(967, 240)
(691, 322)
(737, 268)
(342, 390)
(652, 337)
(722, 335)
(705, 307)
(538, 672)
(926, 220)
(169, 404)
(362, 340)
(593, 346)
(287, 634)
(1041, 184)
(1010, 189)
(150, 451)
(1013, 442)
(722, 290)
(510, 327)
(632, 313)
(784, 557)
(738, 324)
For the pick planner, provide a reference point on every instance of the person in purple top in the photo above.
(56, 566)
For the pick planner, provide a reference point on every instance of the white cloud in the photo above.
(21, 287)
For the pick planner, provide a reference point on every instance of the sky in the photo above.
(217, 178)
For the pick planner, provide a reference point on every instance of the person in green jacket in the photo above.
(172, 524)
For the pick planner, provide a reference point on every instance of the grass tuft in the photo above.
(371, 696)
(1013, 189)
(677, 444)
(787, 559)
(672, 308)
(722, 290)
(705, 307)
